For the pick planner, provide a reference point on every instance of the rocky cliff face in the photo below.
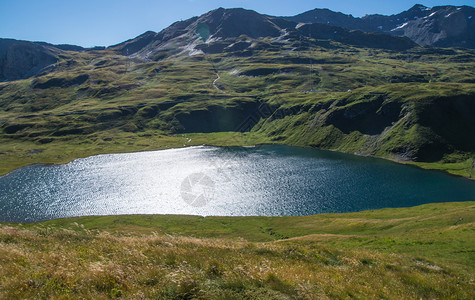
(215, 25)
(424, 130)
(228, 30)
(20, 59)
(354, 37)
(444, 26)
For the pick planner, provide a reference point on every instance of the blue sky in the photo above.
(106, 22)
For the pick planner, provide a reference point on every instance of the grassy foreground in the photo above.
(421, 252)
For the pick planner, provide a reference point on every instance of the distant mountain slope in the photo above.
(21, 59)
(64, 47)
(185, 35)
(239, 27)
(355, 37)
(444, 26)
(25, 59)
(231, 30)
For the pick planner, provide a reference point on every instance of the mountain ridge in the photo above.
(423, 25)
(444, 26)
(196, 34)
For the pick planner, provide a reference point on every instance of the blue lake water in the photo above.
(265, 181)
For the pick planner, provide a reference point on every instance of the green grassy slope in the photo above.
(414, 106)
(420, 252)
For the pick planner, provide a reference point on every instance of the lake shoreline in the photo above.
(397, 161)
(191, 216)
(257, 180)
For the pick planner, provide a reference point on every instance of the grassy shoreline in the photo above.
(400, 253)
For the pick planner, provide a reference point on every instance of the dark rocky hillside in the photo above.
(355, 37)
(443, 26)
(21, 59)
(209, 33)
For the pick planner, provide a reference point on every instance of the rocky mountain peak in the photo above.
(446, 26)
(419, 8)
(229, 23)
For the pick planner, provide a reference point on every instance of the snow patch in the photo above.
(212, 40)
(281, 38)
(448, 15)
(190, 48)
(400, 26)
(193, 51)
(196, 52)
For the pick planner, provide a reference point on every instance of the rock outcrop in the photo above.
(21, 59)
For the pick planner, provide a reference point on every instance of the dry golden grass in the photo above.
(66, 259)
